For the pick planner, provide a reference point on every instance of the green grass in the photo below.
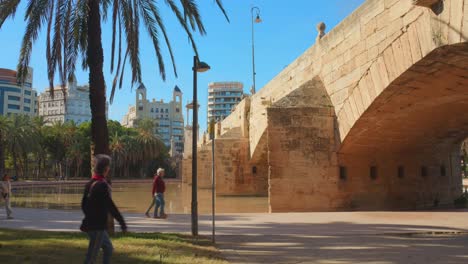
(24, 246)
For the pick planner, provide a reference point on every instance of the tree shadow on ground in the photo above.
(345, 242)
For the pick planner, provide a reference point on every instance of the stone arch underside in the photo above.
(411, 135)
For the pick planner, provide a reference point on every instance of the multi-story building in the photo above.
(73, 107)
(168, 117)
(17, 98)
(222, 98)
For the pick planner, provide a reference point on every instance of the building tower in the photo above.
(177, 124)
(140, 101)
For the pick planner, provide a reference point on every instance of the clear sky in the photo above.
(287, 30)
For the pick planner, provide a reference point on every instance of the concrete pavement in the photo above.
(328, 237)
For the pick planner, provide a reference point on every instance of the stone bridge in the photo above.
(370, 117)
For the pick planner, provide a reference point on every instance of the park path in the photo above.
(328, 237)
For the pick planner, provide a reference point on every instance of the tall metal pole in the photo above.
(253, 50)
(194, 150)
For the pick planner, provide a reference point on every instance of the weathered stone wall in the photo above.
(302, 159)
(235, 173)
(414, 180)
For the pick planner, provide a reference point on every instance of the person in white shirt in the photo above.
(6, 193)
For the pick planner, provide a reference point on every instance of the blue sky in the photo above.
(287, 30)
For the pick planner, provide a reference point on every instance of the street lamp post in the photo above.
(213, 179)
(197, 67)
(256, 20)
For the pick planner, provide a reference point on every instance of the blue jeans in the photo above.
(99, 239)
(159, 200)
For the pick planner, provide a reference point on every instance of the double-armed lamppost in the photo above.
(256, 20)
(198, 66)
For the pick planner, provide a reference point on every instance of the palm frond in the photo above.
(7, 9)
(183, 23)
(114, 82)
(34, 23)
(191, 11)
(131, 24)
(147, 7)
(220, 5)
(158, 19)
(50, 66)
(114, 22)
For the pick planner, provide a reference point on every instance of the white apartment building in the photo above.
(77, 104)
(168, 117)
(222, 98)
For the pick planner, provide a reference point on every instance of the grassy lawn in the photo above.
(23, 246)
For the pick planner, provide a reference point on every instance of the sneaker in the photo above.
(164, 216)
(156, 217)
(9, 217)
(147, 215)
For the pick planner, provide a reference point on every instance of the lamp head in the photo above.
(258, 19)
(202, 66)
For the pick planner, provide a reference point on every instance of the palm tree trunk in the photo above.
(97, 88)
(97, 92)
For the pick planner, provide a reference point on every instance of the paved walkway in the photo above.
(334, 237)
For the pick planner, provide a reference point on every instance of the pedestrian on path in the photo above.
(159, 187)
(6, 194)
(96, 205)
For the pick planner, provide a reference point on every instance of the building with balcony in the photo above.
(168, 117)
(71, 106)
(222, 98)
(15, 97)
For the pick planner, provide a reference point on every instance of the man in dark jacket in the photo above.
(97, 204)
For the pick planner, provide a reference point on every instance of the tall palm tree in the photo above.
(74, 28)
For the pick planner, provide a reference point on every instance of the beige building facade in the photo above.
(168, 117)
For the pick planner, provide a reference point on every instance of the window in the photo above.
(27, 92)
(167, 110)
(424, 171)
(254, 170)
(442, 170)
(343, 173)
(157, 110)
(26, 100)
(373, 172)
(401, 172)
(13, 107)
(177, 110)
(14, 98)
(27, 109)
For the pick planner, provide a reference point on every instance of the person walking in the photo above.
(159, 187)
(6, 194)
(96, 205)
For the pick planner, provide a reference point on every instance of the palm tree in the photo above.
(19, 140)
(5, 125)
(76, 29)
